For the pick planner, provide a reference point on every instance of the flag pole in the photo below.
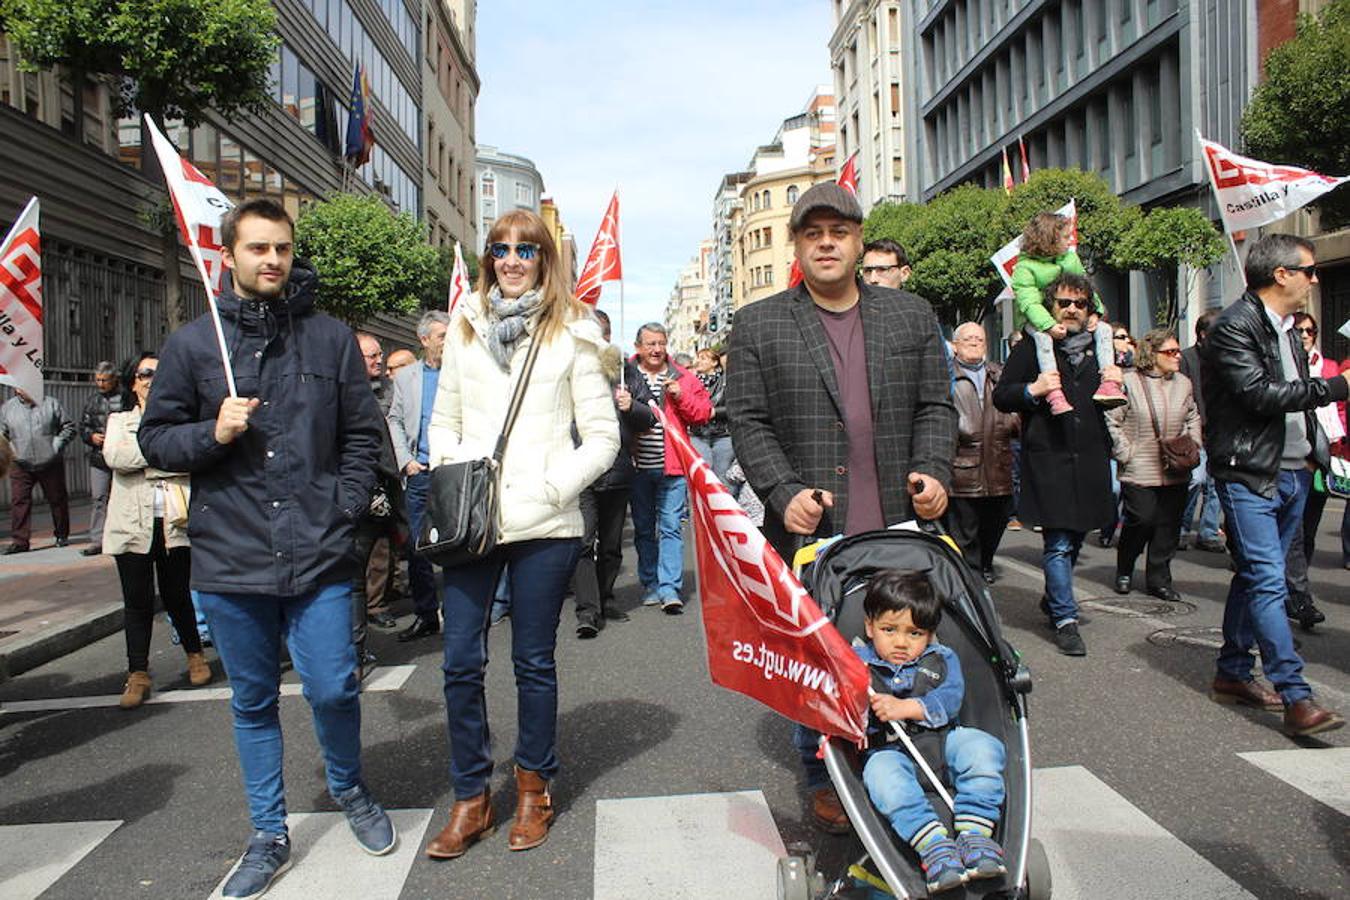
(618, 243)
(1209, 176)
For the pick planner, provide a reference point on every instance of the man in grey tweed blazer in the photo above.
(839, 399)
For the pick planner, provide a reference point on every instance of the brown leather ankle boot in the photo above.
(470, 821)
(534, 810)
(135, 692)
(199, 672)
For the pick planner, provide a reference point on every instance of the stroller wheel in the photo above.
(797, 879)
(1038, 871)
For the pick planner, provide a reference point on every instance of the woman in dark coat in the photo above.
(1066, 476)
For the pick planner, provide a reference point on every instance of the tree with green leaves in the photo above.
(1160, 243)
(167, 58)
(369, 260)
(949, 241)
(1300, 115)
(1102, 219)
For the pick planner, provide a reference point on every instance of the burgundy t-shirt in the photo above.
(844, 334)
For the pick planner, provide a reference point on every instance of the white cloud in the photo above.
(660, 100)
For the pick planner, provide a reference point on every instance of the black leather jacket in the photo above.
(1246, 397)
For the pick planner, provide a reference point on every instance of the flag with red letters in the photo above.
(1252, 193)
(199, 206)
(459, 280)
(604, 263)
(766, 637)
(21, 305)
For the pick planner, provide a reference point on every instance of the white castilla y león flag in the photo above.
(1252, 193)
(21, 305)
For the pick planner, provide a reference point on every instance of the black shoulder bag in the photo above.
(464, 503)
(1180, 454)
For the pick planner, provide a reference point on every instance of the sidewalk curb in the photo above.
(30, 651)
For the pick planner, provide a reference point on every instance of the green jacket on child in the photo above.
(1029, 279)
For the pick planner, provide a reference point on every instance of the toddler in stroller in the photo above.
(924, 690)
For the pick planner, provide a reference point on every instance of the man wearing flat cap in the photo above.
(839, 400)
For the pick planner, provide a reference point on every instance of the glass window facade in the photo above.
(346, 30)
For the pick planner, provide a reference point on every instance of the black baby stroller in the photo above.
(995, 701)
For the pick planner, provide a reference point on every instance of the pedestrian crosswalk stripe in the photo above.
(1322, 774)
(385, 678)
(326, 861)
(1101, 845)
(695, 846)
(33, 857)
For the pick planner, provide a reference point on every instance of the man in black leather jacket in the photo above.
(1261, 436)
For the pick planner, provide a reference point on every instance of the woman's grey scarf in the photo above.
(506, 322)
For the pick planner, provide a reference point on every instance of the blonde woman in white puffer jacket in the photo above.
(522, 297)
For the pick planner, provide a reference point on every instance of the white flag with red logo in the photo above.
(1252, 193)
(459, 280)
(604, 263)
(1006, 258)
(199, 206)
(21, 305)
(766, 637)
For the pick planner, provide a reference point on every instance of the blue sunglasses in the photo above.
(524, 251)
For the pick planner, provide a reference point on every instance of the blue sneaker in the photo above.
(982, 856)
(942, 866)
(368, 820)
(267, 856)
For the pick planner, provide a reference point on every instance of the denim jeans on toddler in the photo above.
(975, 762)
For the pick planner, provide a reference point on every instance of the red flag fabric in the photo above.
(604, 263)
(766, 637)
(1026, 166)
(1007, 173)
(21, 304)
(848, 179)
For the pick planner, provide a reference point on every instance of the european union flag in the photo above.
(360, 138)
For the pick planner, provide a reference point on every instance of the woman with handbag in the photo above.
(146, 533)
(505, 482)
(1156, 440)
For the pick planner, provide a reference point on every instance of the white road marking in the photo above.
(1101, 845)
(385, 678)
(696, 846)
(1323, 774)
(326, 861)
(33, 857)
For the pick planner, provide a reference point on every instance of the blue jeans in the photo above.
(317, 627)
(658, 505)
(718, 452)
(975, 763)
(539, 572)
(1202, 494)
(1059, 556)
(1261, 531)
(421, 576)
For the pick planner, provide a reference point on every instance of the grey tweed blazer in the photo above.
(787, 420)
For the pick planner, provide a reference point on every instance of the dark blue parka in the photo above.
(273, 512)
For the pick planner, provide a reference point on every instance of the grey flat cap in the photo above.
(827, 196)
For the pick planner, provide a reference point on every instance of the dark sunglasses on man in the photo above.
(525, 251)
(1075, 302)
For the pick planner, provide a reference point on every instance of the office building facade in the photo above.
(870, 70)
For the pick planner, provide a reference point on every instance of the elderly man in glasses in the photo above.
(1066, 473)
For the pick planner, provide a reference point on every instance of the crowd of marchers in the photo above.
(276, 508)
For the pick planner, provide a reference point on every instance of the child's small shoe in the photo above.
(1110, 395)
(942, 866)
(1059, 404)
(981, 856)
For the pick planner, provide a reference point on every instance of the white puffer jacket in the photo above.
(542, 473)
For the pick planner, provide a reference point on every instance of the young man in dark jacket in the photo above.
(1263, 440)
(280, 475)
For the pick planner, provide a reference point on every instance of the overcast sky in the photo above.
(658, 99)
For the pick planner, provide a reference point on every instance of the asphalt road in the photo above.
(639, 718)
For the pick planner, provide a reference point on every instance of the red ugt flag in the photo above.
(21, 305)
(766, 637)
(604, 263)
(848, 180)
